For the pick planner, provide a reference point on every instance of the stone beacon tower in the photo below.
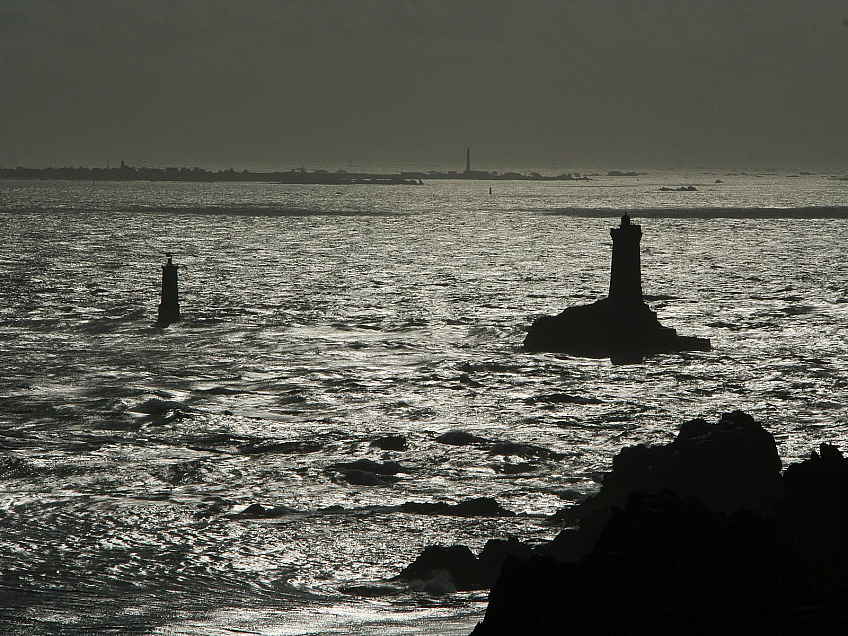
(626, 274)
(620, 326)
(169, 307)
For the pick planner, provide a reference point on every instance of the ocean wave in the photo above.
(811, 212)
(254, 210)
(206, 210)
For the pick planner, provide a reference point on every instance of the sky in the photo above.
(566, 83)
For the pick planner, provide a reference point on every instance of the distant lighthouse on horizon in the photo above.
(467, 160)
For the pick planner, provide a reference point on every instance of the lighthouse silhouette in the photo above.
(626, 274)
(620, 326)
(169, 307)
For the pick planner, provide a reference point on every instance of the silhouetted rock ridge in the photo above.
(699, 536)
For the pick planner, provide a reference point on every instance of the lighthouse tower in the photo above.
(169, 308)
(626, 275)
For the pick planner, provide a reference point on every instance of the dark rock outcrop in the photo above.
(561, 398)
(456, 566)
(494, 555)
(498, 447)
(460, 438)
(661, 566)
(523, 450)
(357, 477)
(813, 517)
(508, 468)
(700, 536)
(258, 511)
(731, 465)
(378, 468)
(479, 507)
(371, 590)
(390, 442)
(455, 561)
(366, 472)
(274, 446)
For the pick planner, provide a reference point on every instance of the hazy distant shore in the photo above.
(295, 176)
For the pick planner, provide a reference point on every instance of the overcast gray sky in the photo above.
(653, 83)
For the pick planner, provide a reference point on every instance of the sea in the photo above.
(317, 320)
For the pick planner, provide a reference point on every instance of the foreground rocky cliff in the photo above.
(700, 536)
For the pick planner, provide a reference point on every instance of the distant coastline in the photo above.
(295, 176)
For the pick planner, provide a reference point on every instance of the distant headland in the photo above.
(294, 176)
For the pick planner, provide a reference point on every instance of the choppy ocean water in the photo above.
(319, 318)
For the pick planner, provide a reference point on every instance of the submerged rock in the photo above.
(378, 468)
(258, 511)
(508, 468)
(357, 477)
(366, 472)
(479, 507)
(155, 406)
(275, 446)
(523, 450)
(562, 398)
(622, 326)
(370, 590)
(160, 412)
(460, 438)
(390, 442)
